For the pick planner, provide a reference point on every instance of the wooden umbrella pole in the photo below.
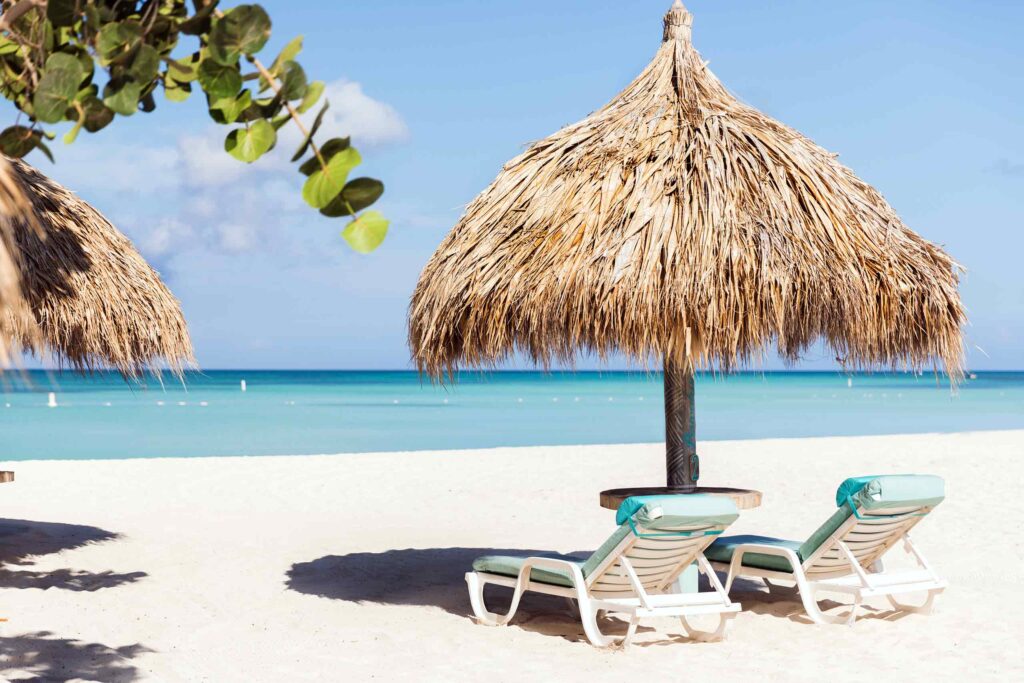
(681, 461)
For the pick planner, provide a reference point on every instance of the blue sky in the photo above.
(925, 100)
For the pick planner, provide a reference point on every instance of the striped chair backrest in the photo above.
(657, 556)
(868, 534)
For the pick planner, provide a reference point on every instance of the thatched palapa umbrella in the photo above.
(677, 223)
(71, 284)
(13, 206)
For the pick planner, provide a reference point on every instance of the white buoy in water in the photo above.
(243, 385)
(849, 381)
(52, 400)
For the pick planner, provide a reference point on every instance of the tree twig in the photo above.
(17, 11)
(272, 80)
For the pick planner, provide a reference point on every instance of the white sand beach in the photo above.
(351, 567)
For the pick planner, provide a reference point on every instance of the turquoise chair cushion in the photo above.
(507, 565)
(649, 512)
(659, 512)
(722, 549)
(892, 490)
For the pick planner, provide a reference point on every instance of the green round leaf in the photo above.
(249, 144)
(57, 88)
(219, 80)
(17, 141)
(242, 31)
(293, 81)
(123, 99)
(356, 196)
(117, 39)
(327, 151)
(230, 108)
(97, 115)
(62, 12)
(145, 64)
(366, 233)
(325, 184)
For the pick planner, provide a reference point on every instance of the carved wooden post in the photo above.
(681, 459)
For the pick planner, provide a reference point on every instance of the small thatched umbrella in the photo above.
(71, 284)
(678, 223)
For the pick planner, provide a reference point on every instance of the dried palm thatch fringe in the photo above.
(679, 223)
(90, 298)
(13, 204)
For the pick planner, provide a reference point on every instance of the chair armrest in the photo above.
(550, 563)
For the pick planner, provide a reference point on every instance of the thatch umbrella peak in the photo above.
(83, 292)
(680, 223)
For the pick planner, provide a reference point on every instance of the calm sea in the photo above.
(337, 412)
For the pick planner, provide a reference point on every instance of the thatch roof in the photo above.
(677, 222)
(86, 295)
(13, 203)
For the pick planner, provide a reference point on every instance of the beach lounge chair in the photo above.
(634, 572)
(844, 555)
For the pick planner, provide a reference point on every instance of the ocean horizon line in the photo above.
(537, 371)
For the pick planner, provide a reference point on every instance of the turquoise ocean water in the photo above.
(289, 412)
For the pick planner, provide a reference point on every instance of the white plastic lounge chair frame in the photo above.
(633, 579)
(849, 562)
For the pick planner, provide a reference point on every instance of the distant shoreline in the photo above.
(1013, 433)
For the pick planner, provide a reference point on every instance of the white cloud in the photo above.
(236, 237)
(203, 161)
(166, 236)
(370, 122)
(95, 164)
(193, 195)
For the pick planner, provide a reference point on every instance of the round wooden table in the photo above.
(745, 499)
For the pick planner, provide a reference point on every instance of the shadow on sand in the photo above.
(21, 541)
(434, 577)
(43, 657)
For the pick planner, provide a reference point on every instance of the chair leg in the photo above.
(724, 619)
(927, 608)
(810, 601)
(588, 615)
(476, 599)
(852, 618)
(634, 620)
